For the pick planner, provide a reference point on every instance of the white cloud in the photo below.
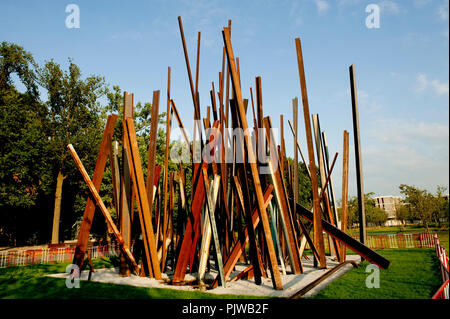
(322, 6)
(421, 3)
(405, 151)
(443, 10)
(343, 3)
(423, 84)
(390, 7)
(367, 102)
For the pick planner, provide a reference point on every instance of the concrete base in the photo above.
(291, 283)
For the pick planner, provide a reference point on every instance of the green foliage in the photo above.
(374, 215)
(15, 60)
(424, 206)
(304, 183)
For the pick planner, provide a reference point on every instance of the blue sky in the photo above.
(401, 67)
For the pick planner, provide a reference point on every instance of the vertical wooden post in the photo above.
(295, 115)
(125, 185)
(166, 168)
(318, 235)
(142, 199)
(344, 206)
(320, 158)
(358, 159)
(327, 166)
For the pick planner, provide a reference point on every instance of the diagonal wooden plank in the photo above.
(97, 177)
(103, 208)
(359, 248)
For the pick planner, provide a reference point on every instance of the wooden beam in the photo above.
(318, 236)
(211, 197)
(103, 209)
(141, 197)
(358, 158)
(359, 248)
(282, 198)
(180, 124)
(295, 120)
(344, 205)
(273, 265)
(126, 193)
(88, 215)
(330, 184)
(191, 232)
(239, 246)
(300, 150)
(166, 169)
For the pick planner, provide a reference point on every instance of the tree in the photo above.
(420, 202)
(402, 212)
(441, 206)
(374, 215)
(15, 60)
(304, 183)
(73, 115)
(23, 149)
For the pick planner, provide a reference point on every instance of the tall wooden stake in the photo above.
(318, 235)
(344, 206)
(166, 170)
(358, 159)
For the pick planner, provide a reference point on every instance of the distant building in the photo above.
(389, 204)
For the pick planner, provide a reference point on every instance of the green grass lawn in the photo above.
(413, 274)
(30, 282)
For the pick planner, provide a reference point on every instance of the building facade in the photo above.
(389, 204)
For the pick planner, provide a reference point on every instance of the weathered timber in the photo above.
(318, 236)
(273, 264)
(141, 198)
(359, 248)
(89, 210)
(344, 204)
(103, 208)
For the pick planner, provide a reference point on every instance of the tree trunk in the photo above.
(57, 210)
